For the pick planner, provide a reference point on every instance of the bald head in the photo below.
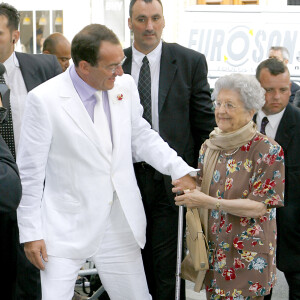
(59, 46)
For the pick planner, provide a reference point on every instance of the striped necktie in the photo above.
(6, 128)
(263, 125)
(144, 87)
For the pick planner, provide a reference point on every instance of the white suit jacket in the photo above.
(69, 180)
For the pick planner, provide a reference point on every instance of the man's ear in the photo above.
(15, 36)
(129, 23)
(46, 52)
(84, 67)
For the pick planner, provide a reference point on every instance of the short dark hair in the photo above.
(49, 45)
(274, 66)
(87, 42)
(132, 2)
(12, 15)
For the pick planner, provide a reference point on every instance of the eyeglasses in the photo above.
(114, 68)
(227, 106)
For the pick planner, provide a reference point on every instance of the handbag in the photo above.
(196, 240)
(195, 265)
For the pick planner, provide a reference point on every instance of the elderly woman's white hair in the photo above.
(250, 91)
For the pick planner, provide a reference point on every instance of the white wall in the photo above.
(79, 13)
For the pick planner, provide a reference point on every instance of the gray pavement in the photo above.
(280, 291)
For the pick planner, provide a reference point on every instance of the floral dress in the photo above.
(241, 249)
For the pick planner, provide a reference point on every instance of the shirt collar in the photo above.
(273, 119)
(152, 56)
(11, 63)
(85, 91)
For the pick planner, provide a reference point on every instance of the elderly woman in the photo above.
(242, 181)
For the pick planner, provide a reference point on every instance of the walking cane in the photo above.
(179, 251)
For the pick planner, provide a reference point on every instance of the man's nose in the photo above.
(149, 25)
(276, 94)
(119, 71)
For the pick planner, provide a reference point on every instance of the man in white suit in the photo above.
(81, 132)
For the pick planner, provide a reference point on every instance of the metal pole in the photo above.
(179, 252)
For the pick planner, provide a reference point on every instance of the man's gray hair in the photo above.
(247, 86)
(283, 50)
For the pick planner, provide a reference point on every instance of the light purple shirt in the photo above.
(87, 95)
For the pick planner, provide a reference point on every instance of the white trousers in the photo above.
(118, 262)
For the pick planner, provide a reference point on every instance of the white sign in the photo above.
(237, 41)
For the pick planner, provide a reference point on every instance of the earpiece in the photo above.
(13, 41)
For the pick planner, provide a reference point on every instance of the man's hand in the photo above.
(35, 251)
(186, 182)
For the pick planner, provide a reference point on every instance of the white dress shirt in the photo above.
(154, 63)
(273, 124)
(18, 92)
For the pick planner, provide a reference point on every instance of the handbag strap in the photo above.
(197, 218)
(198, 223)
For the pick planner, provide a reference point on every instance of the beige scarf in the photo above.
(219, 141)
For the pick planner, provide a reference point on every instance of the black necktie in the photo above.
(144, 87)
(6, 128)
(264, 123)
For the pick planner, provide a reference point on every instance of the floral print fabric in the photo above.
(242, 250)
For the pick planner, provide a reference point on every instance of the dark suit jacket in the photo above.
(294, 88)
(288, 217)
(37, 68)
(10, 196)
(185, 108)
(10, 185)
(297, 99)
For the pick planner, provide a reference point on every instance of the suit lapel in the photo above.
(74, 107)
(28, 70)
(116, 112)
(168, 69)
(286, 128)
(128, 62)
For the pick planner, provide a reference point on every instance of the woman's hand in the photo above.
(238, 207)
(194, 198)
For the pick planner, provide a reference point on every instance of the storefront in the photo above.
(41, 18)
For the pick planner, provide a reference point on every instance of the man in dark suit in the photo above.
(10, 196)
(282, 54)
(23, 73)
(181, 111)
(284, 126)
